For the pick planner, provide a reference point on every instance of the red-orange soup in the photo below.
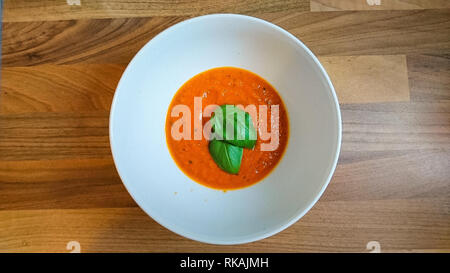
(226, 85)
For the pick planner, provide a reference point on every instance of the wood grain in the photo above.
(90, 87)
(333, 5)
(38, 10)
(64, 183)
(384, 151)
(429, 77)
(398, 175)
(365, 79)
(325, 33)
(371, 33)
(51, 88)
(394, 128)
(40, 136)
(91, 41)
(399, 225)
(94, 183)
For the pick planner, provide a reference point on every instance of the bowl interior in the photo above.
(138, 138)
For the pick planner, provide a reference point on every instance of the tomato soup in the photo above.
(233, 86)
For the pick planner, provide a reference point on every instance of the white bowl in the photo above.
(163, 191)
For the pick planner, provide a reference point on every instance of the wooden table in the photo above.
(61, 61)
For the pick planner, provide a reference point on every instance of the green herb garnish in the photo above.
(227, 156)
(233, 125)
(233, 130)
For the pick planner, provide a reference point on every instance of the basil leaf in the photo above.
(233, 125)
(227, 156)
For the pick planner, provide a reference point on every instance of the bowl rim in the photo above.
(301, 212)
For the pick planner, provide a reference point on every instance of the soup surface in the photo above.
(218, 86)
